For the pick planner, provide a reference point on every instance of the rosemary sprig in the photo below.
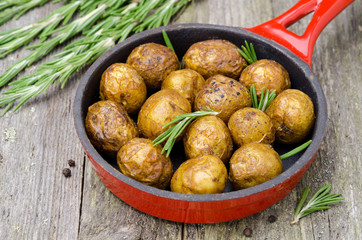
(64, 34)
(181, 122)
(296, 150)
(116, 27)
(248, 52)
(265, 98)
(9, 3)
(320, 201)
(15, 38)
(18, 9)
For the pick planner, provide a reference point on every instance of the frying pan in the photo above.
(271, 41)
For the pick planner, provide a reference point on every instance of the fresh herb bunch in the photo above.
(102, 26)
(320, 201)
(248, 52)
(181, 122)
(265, 99)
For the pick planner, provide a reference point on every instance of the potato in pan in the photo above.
(212, 57)
(224, 95)
(153, 62)
(109, 127)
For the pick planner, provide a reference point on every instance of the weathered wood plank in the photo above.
(36, 200)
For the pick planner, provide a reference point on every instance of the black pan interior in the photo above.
(182, 37)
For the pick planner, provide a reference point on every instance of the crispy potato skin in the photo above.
(109, 127)
(208, 136)
(251, 125)
(253, 164)
(224, 95)
(203, 175)
(121, 83)
(292, 114)
(185, 81)
(153, 62)
(213, 57)
(265, 73)
(159, 109)
(140, 160)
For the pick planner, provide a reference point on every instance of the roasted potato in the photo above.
(121, 83)
(253, 164)
(140, 160)
(213, 57)
(203, 175)
(208, 136)
(109, 127)
(265, 73)
(153, 62)
(186, 81)
(292, 114)
(159, 109)
(251, 125)
(224, 95)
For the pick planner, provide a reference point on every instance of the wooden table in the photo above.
(38, 202)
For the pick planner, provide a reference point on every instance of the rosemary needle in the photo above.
(248, 52)
(265, 98)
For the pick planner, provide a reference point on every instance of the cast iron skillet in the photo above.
(230, 205)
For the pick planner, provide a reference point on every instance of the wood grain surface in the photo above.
(38, 202)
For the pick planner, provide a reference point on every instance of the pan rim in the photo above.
(320, 124)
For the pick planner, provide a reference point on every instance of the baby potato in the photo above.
(159, 109)
(265, 73)
(224, 95)
(153, 62)
(251, 125)
(213, 57)
(253, 164)
(109, 127)
(186, 81)
(140, 160)
(121, 83)
(292, 114)
(208, 136)
(203, 175)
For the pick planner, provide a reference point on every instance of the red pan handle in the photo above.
(324, 12)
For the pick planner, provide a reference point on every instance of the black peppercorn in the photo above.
(248, 232)
(272, 218)
(67, 172)
(71, 163)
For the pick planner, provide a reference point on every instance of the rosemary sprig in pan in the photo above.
(13, 39)
(181, 122)
(18, 9)
(248, 52)
(83, 51)
(296, 150)
(265, 98)
(320, 201)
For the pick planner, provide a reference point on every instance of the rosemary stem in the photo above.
(296, 150)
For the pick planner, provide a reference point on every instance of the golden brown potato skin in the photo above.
(251, 125)
(253, 164)
(159, 109)
(224, 95)
(203, 175)
(121, 83)
(292, 114)
(265, 73)
(109, 127)
(140, 160)
(186, 81)
(213, 57)
(153, 62)
(208, 136)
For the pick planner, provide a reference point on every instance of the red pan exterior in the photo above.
(210, 208)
